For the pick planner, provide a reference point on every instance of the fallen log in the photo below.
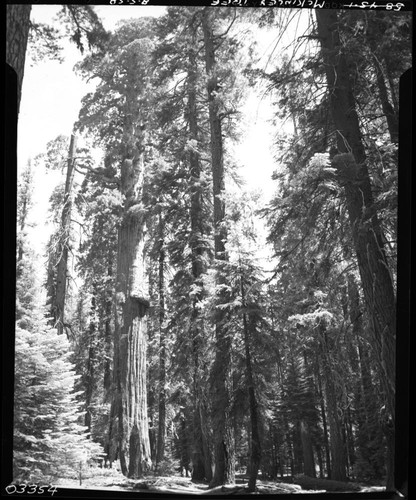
(312, 483)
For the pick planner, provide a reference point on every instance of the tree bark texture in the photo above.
(368, 437)
(17, 34)
(388, 110)
(161, 435)
(222, 419)
(308, 458)
(255, 443)
(131, 305)
(323, 416)
(351, 166)
(63, 246)
(201, 455)
(305, 427)
(90, 374)
(108, 333)
(337, 447)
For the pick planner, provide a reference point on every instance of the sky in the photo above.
(51, 100)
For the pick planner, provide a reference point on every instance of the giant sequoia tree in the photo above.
(368, 238)
(192, 349)
(123, 93)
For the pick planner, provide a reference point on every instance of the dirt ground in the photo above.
(114, 481)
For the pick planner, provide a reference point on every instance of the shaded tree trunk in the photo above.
(24, 202)
(388, 110)
(308, 458)
(201, 456)
(58, 308)
(221, 402)
(324, 421)
(108, 334)
(368, 435)
(337, 447)
(161, 436)
(17, 34)
(351, 165)
(89, 379)
(254, 444)
(305, 427)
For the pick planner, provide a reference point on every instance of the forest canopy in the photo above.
(181, 323)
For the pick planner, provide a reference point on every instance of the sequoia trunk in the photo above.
(351, 166)
(131, 305)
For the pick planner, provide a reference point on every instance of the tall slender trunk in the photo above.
(388, 110)
(107, 329)
(254, 444)
(390, 70)
(161, 435)
(222, 418)
(366, 398)
(351, 165)
(337, 447)
(89, 379)
(308, 458)
(201, 455)
(63, 247)
(24, 204)
(324, 421)
(349, 440)
(305, 430)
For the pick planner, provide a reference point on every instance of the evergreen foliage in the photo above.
(49, 440)
(211, 334)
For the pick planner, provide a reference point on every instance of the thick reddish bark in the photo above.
(131, 305)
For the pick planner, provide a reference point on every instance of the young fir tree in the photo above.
(49, 440)
(247, 307)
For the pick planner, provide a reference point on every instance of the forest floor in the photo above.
(113, 480)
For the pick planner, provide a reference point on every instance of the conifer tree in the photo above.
(49, 440)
